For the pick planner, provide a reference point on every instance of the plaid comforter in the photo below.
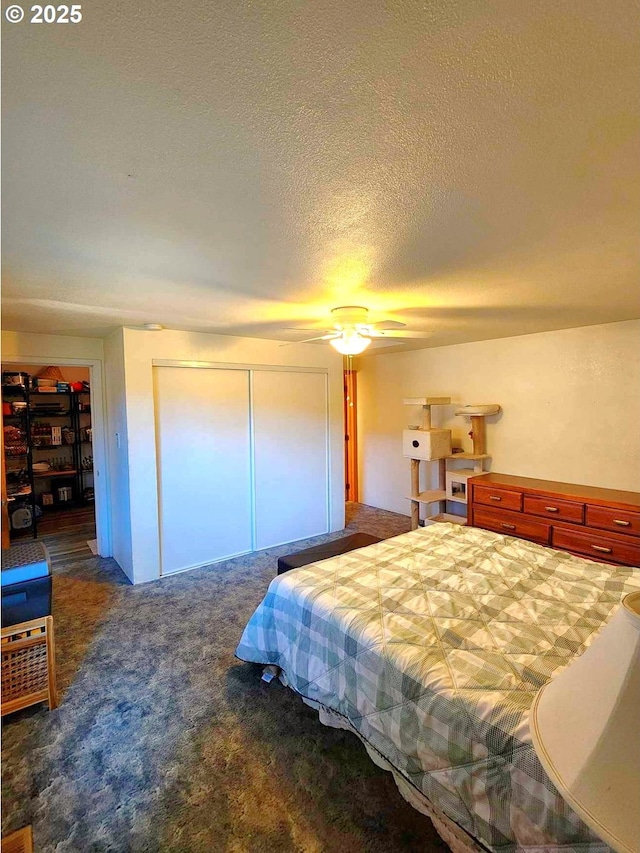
(433, 645)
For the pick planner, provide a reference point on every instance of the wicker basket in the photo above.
(51, 372)
(28, 665)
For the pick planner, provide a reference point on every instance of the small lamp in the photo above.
(585, 726)
(350, 342)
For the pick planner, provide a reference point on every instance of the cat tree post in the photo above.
(415, 489)
(479, 434)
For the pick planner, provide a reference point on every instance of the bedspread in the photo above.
(432, 645)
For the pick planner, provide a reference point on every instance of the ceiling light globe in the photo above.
(350, 344)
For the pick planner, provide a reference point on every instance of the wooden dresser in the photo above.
(603, 524)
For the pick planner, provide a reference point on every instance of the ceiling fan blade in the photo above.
(382, 343)
(308, 340)
(299, 329)
(381, 333)
(387, 324)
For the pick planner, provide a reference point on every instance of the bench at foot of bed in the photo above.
(326, 550)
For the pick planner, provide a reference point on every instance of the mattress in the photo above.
(432, 646)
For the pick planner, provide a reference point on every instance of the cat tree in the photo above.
(421, 443)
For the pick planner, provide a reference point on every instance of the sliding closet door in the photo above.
(290, 455)
(204, 464)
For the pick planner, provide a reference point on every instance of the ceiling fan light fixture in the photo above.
(350, 342)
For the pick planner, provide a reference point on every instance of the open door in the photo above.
(350, 435)
(5, 507)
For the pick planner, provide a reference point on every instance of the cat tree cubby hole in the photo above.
(456, 484)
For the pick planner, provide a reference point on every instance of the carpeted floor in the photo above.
(164, 741)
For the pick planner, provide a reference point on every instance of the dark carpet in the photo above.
(164, 741)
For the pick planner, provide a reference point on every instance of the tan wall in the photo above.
(570, 399)
(28, 345)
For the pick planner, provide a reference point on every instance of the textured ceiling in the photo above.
(243, 166)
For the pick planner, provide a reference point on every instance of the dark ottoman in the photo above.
(326, 550)
(26, 583)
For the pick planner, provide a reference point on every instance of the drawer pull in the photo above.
(552, 509)
(507, 526)
(494, 498)
(602, 549)
(621, 522)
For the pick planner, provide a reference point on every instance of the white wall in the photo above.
(570, 399)
(141, 350)
(118, 453)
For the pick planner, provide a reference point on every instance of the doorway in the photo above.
(350, 435)
(52, 421)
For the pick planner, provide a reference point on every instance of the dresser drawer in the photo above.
(502, 498)
(513, 524)
(613, 519)
(555, 509)
(598, 546)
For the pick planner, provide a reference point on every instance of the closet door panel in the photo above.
(290, 456)
(204, 464)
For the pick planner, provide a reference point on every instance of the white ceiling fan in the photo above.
(353, 331)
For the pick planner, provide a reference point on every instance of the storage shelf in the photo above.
(45, 407)
(431, 496)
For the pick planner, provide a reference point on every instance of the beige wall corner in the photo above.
(570, 401)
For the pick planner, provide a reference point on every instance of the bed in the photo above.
(431, 647)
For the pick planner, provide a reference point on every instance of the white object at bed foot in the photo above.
(270, 672)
